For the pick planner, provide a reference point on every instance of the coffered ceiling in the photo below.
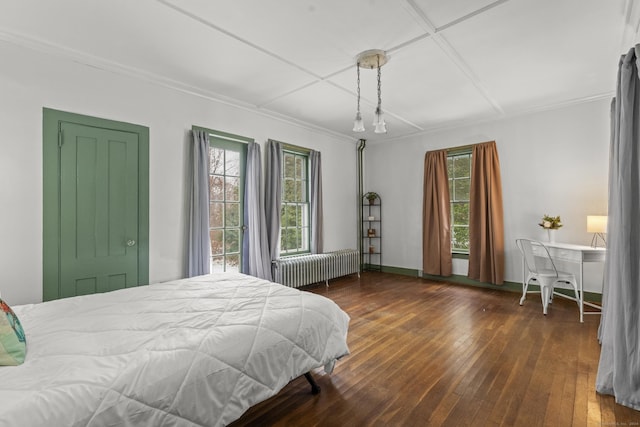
(451, 61)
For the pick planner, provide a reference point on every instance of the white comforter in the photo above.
(189, 352)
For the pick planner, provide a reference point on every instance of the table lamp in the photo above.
(597, 224)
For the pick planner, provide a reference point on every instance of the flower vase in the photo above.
(551, 235)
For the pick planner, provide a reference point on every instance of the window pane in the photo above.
(216, 188)
(232, 189)
(291, 217)
(300, 193)
(460, 237)
(289, 165)
(217, 247)
(233, 263)
(232, 163)
(298, 232)
(232, 241)
(217, 264)
(216, 161)
(462, 166)
(303, 215)
(216, 215)
(304, 239)
(289, 190)
(450, 167)
(461, 188)
(460, 213)
(300, 172)
(232, 218)
(288, 239)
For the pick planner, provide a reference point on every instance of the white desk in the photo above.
(578, 254)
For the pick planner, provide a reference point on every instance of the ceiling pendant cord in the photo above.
(378, 110)
(378, 121)
(358, 124)
(372, 58)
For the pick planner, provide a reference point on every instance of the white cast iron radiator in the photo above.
(301, 270)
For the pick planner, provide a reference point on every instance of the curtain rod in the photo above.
(292, 147)
(224, 135)
(467, 147)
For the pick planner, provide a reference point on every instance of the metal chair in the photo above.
(545, 277)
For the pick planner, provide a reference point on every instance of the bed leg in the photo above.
(315, 389)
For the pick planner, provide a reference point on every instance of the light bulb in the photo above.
(358, 124)
(378, 121)
(381, 127)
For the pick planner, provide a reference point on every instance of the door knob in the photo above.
(131, 242)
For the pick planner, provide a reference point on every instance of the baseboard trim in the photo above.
(457, 279)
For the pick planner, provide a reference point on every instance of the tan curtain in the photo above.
(436, 215)
(486, 228)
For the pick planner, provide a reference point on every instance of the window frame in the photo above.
(460, 152)
(228, 141)
(305, 226)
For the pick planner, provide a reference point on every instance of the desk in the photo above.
(578, 254)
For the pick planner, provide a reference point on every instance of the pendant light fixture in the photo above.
(371, 59)
(378, 117)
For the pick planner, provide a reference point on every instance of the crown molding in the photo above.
(457, 124)
(83, 58)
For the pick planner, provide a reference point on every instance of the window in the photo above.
(294, 221)
(459, 171)
(227, 157)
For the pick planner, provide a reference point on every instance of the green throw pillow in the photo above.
(13, 345)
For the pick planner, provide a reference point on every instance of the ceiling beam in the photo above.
(454, 56)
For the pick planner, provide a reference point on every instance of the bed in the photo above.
(190, 352)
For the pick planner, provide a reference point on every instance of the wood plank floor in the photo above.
(428, 354)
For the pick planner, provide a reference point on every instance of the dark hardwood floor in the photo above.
(428, 354)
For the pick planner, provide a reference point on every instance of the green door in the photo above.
(100, 208)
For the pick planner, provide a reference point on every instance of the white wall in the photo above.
(552, 162)
(31, 80)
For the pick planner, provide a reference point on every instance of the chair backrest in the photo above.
(526, 247)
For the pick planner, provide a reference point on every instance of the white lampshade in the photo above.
(597, 224)
(378, 121)
(381, 127)
(358, 124)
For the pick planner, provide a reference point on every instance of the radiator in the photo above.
(302, 270)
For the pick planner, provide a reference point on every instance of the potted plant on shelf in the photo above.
(371, 196)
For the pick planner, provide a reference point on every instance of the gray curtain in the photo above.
(255, 254)
(273, 189)
(199, 246)
(316, 202)
(619, 366)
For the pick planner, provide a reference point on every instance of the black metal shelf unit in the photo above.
(371, 245)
